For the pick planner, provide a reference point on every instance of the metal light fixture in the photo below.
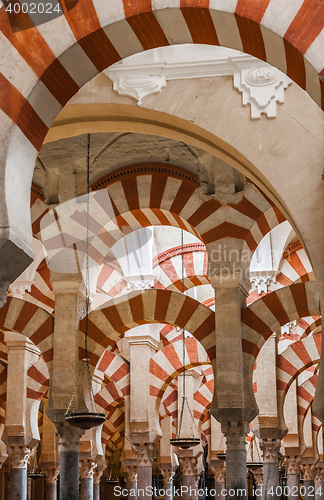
(91, 418)
(184, 442)
(111, 479)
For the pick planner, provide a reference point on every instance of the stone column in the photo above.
(258, 477)
(69, 461)
(144, 454)
(168, 475)
(51, 476)
(189, 471)
(293, 480)
(270, 449)
(96, 482)
(87, 467)
(219, 481)
(131, 471)
(29, 488)
(236, 472)
(319, 484)
(7, 492)
(309, 484)
(19, 456)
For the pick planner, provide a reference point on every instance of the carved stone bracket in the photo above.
(69, 436)
(188, 466)
(270, 448)
(308, 472)
(319, 475)
(132, 473)
(168, 475)
(87, 467)
(219, 474)
(19, 456)
(258, 477)
(51, 475)
(98, 473)
(144, 453)
(293, 465)
(263, 87)
(235, 434)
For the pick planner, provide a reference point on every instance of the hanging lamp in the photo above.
(184, 442)
(85, 419)
(111, 479)
(34, 470)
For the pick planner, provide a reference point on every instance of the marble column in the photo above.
(219, 481)
(132, 474)
(236, 471)
(51, 476)
(319, 484)
(168, 475)
(69, 461)
(87, 467)
(270, 449)
(189, 472)
(293, 477)
(19, 456)
(7, 491)
(258, 477)
(144, 455)
(96, 482)
(29, 488)
(309, 483)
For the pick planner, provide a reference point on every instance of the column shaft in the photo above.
(144, 480)
(293, 485)
(168, 490)
(236, 474)
(87, 488)
(19, 483)
(309, 486)
(190, 493)
(132, 490)
(271, 481)
(220, 488)
(319, 490)
(96, 491)
(51, 491)
(69, 475)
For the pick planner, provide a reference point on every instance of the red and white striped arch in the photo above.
(265, 316)
(145, 195)
(294, 360)
(167, 364)
(37, 380)
(305, 396)
(30, 320)
(43, 63)
(108, 324)
(116, 370)
(168, 267)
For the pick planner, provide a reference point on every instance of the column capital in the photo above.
(98, 472)
(69, 436)
(308, 472)
(258, 477)
(188, 466)
(51, 475)
(219, 473)
(144, 453)
(87, 467)
(319, 475)
(131, 471)
(19, 456)
(168, 475)
(293, 465)
(270, 448)
(235, 434)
